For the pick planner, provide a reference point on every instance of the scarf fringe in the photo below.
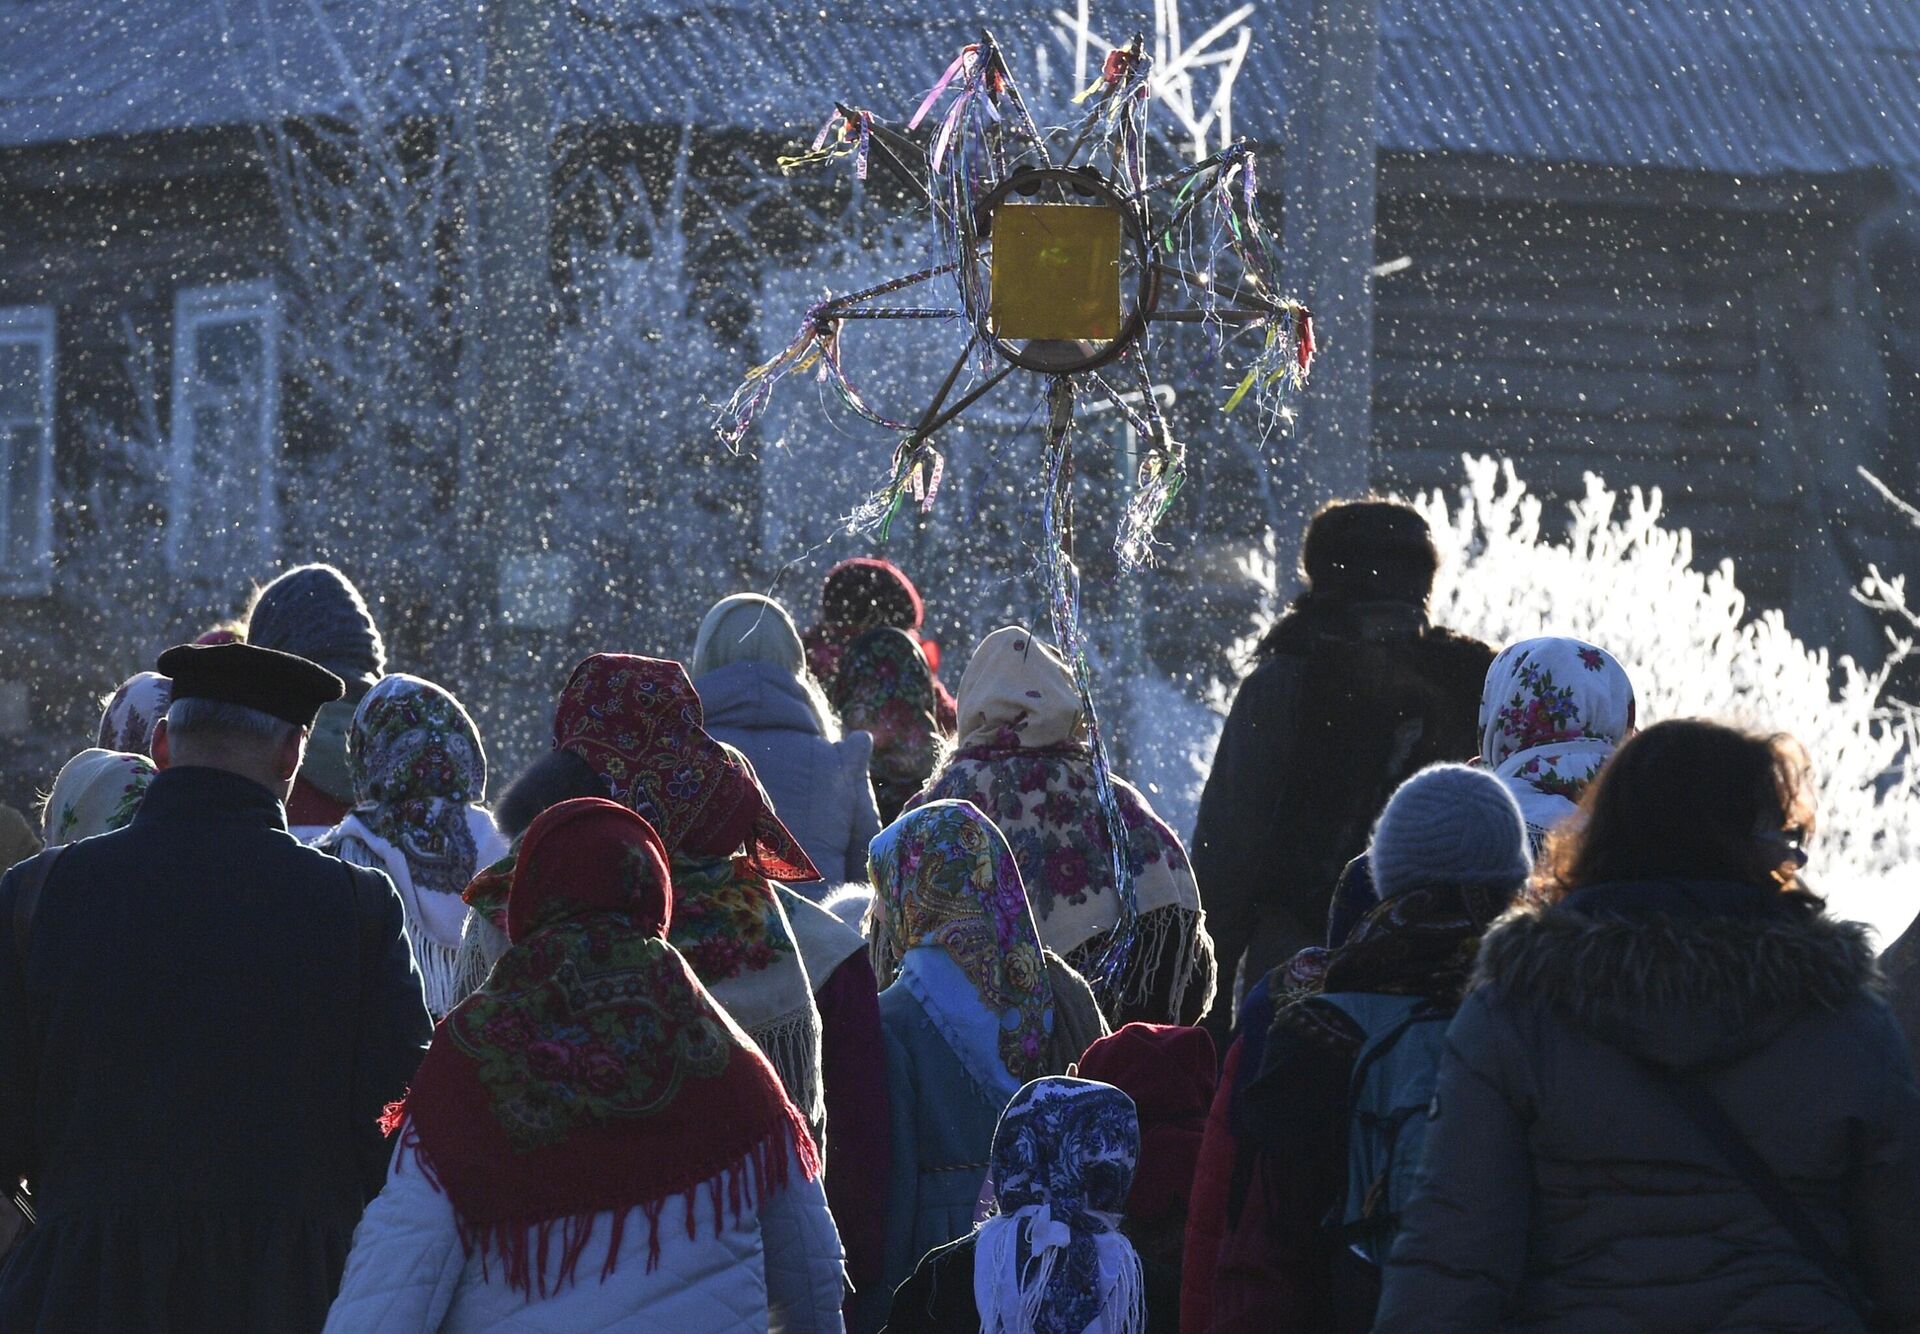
(1153, 929)
(524, 1251)
(791, 1044)
(443, 971)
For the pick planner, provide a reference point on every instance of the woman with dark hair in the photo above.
(1674, 1097)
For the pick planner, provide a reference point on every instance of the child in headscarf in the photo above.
(1051, 1258)
(419, 774)
(886, 689)
(127, 721)
(97, 792)
(1026, 761)
(971, 1011)
(591, 1142)
(1552, 712)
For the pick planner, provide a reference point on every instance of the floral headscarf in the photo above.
(1051, 1259)
(638, 722)
(945, 883)
(128, 721)
(886, 688)
(418, 773)
(858, 595)
(416, 764)
(1552, 711)
(592, 1073)
(97, 792)
(1025, 761)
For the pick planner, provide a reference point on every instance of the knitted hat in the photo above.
(1450, 825)
(1370, 551)
(316, 613)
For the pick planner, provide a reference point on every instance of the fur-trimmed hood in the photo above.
(1683, 974)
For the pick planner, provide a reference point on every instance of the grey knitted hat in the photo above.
(314, 611)
(1450, 825)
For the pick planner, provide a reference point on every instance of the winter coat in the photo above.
(1901, 963)
(819, 788)
(776, 1266)
(1562, 1186)
(1355, 698)
(193, 1067)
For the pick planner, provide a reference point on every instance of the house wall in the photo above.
(106, 239)
(1656, 332)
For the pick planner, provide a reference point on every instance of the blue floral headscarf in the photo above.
(1051, 1259)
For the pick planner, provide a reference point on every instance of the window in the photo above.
(223, 519)
(26, 449)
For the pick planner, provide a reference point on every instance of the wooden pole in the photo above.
(510, 444)
(1327, 180)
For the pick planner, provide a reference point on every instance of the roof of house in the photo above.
(1737, 87)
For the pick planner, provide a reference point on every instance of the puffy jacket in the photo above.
(1564, 1188)
(820, 788)
(775, 1268)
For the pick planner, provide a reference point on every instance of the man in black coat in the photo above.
(1354, 692)
(200, 1022)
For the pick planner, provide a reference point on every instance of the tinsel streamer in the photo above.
(1063, 605)
(737, 413)
(917, 470)
(1162, 474)
(843, 134)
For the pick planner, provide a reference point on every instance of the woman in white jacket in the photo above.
(590, 1142)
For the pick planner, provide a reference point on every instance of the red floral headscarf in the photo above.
(592, 1074)
(638, 722)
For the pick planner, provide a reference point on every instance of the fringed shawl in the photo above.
(592, 1075)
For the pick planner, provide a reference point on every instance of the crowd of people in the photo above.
(790, 990)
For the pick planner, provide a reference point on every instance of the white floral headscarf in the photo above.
(97, 792)
(1552, 711)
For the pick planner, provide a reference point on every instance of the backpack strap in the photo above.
(1691, 1095)
(26, 898)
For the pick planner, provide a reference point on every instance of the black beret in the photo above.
(290, 688)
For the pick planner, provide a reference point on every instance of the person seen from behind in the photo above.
(1026, 761)
(867, 593)
(591, 1143)
(315, 612)
(756, 692)
(972, 1009)
(886, 690)
(1330, 1124)
(1354, 691)
(97, 792)
(200, 1022)
(1674, 1097)
(1051, 1257)
(419, 775)
(1170, 1073)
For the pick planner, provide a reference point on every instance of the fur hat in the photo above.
(1370, 551)
(1450, 825)
(315, 612)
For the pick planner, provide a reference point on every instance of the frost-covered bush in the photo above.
(1618, 576)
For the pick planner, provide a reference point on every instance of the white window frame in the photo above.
(194, 307)
(33, 326)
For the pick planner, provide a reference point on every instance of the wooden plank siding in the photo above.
(1588, 336)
